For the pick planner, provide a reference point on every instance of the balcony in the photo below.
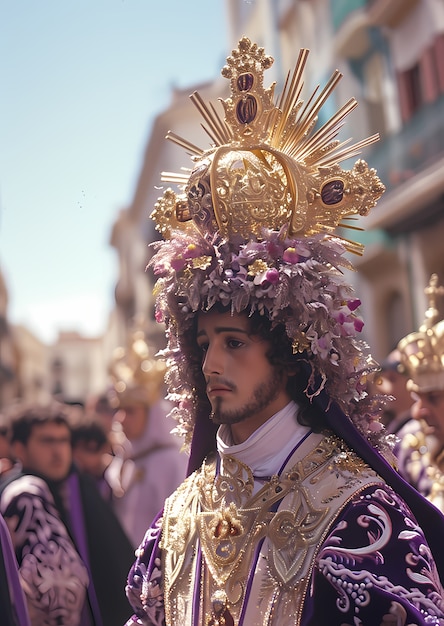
(378, 12)
(351, 28)
(353, 20)
(410, 164)
(383, 13)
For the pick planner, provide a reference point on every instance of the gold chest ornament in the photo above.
(250, 556)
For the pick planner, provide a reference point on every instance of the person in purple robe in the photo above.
(70, 549)
(292, 512)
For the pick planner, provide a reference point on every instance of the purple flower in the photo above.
(272, 275)
(340, 317)
(374, 425)
(160, 269)
(178, 263)
(359, 324)
(290, 255)
(348, 329)
(353, 304)
(323, 346)
(274, 249)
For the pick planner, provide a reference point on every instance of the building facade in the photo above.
(391, 55)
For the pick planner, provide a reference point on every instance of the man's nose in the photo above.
(420, 410)
(212, 363)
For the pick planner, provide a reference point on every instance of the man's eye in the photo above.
(433, 399)
(234, 343)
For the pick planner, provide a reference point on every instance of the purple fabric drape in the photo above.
(79, 532)
(11, 567)
(428, 516)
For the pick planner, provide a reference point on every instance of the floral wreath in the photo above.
(294, 282)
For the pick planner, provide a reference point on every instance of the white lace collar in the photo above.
(268, 447)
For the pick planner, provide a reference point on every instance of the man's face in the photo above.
(244, 389)
(89, 457)
(430, 407)
(133, 418)
(47, 452)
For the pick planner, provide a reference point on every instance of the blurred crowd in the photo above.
(79, 485)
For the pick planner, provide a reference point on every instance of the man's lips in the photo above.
(218, 387)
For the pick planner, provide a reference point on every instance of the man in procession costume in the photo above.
(292, 512)
(422, 356)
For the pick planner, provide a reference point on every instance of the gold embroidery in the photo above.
(291, 514)
(219, 604)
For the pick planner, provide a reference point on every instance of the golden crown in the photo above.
(136, 373)
(268, 166)
(422, 352)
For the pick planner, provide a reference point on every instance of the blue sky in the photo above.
(80, 82)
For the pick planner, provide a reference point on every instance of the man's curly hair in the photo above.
(280, 356)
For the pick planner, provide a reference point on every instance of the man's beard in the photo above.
(261, 397)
